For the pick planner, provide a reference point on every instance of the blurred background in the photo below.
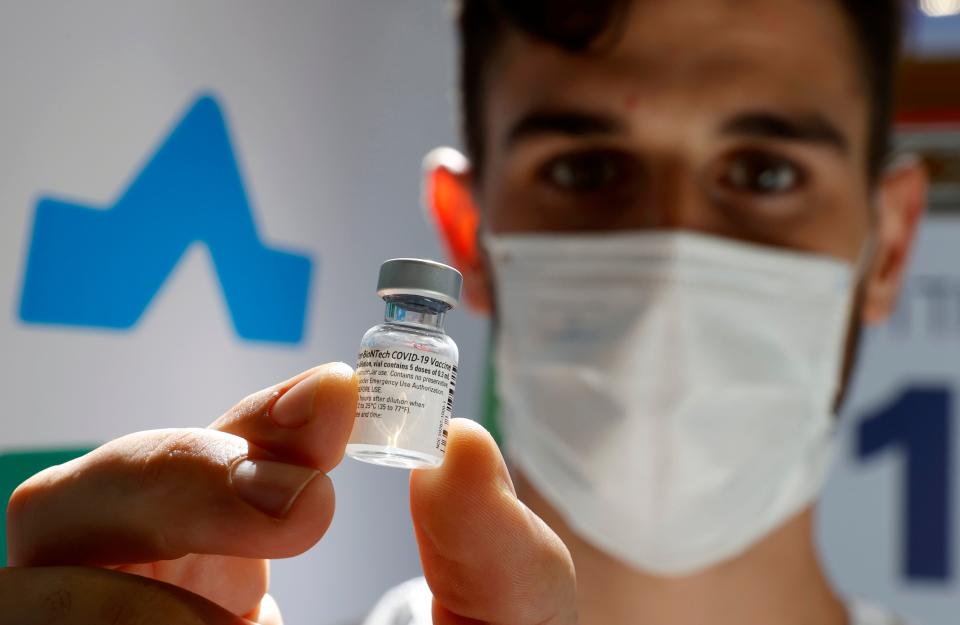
(195, 201)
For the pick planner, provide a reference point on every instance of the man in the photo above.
(679, 214)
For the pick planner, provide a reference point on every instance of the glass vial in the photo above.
(407, 368)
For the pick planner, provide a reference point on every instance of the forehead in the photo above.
(675, 57)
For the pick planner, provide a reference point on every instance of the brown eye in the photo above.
(587, 172)
(760, 173)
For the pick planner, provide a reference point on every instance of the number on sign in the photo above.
(919, 424)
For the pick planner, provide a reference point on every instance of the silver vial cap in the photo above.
(416, 276)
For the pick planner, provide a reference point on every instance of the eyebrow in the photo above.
(570, 123)
(808, 128)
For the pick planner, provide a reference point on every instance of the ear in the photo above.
(447, 198)
(901, 201)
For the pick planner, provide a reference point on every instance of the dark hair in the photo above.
(576, 25)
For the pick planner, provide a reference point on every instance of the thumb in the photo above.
(485, 555)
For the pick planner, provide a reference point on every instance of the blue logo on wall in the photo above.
(101, 268)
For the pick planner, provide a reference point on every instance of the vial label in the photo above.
(406, 399)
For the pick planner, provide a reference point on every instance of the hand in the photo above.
(194, 514)
(190, 512)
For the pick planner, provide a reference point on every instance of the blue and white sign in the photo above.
(890, 523)
(100, 268)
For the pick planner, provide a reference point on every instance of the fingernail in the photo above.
(271, 487)
(318, 392)
(295, 407)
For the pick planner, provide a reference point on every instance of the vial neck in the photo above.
(425, 314)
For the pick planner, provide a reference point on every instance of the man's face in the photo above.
(745, 119)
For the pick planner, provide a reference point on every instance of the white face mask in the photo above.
(669, 393)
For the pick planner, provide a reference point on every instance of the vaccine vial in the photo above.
(407, 368)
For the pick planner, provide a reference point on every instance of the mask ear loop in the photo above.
(860, 270)
(851, 287)
(861, 267)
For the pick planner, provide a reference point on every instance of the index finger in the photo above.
(305, 420)
(246, 490)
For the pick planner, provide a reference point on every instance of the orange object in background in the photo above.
(928, 124)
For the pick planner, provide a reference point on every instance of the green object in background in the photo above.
(489, 402)
(17, 466)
